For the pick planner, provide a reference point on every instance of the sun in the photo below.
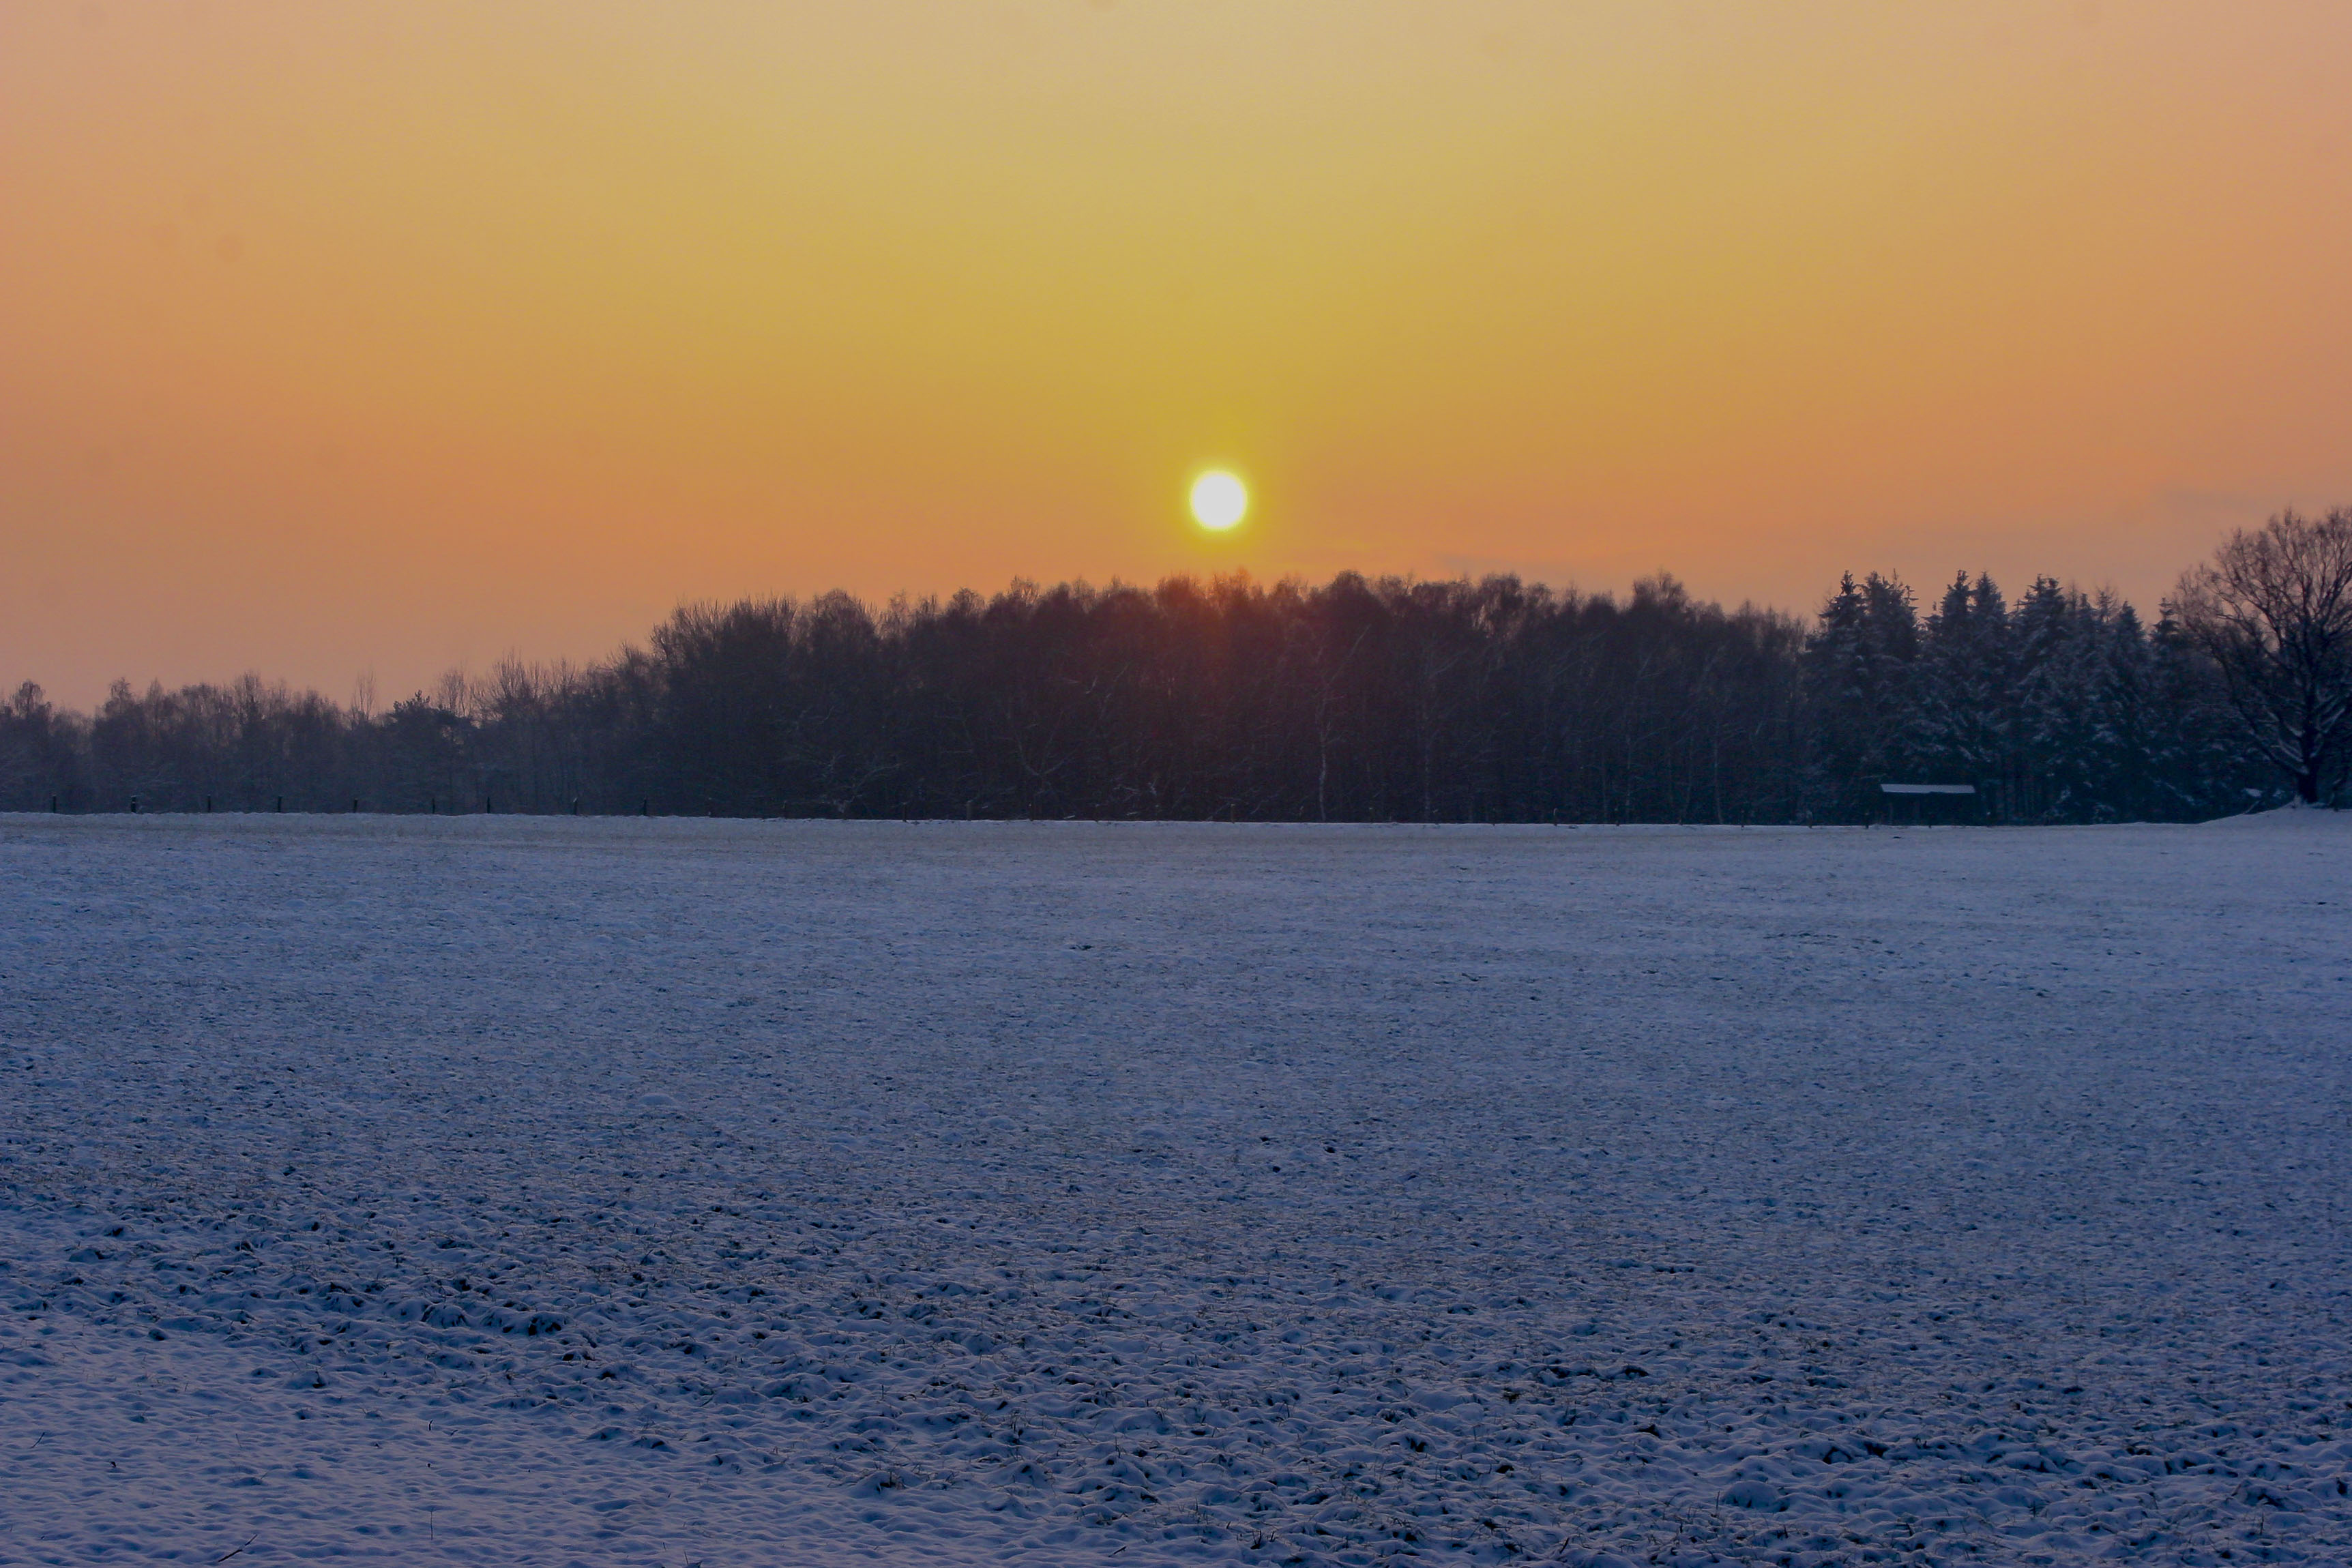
(1219, 500)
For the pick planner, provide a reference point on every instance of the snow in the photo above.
(553, 1191)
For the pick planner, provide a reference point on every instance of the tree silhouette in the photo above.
(2273, 610)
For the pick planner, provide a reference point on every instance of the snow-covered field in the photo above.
(528, 1191)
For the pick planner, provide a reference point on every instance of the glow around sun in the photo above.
(1219, 500)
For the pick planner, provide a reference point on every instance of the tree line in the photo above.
(1357, 700)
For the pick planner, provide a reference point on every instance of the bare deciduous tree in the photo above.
(2273, 610)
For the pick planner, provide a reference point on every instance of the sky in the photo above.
(344, 341)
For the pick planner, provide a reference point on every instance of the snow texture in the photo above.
(533, 1191)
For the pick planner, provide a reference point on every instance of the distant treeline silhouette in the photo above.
(1359, 700)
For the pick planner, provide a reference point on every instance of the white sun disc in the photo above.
(1219, 500)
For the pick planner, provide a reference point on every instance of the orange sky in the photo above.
(339, 337)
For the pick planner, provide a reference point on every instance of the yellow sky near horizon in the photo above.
(343, 338)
